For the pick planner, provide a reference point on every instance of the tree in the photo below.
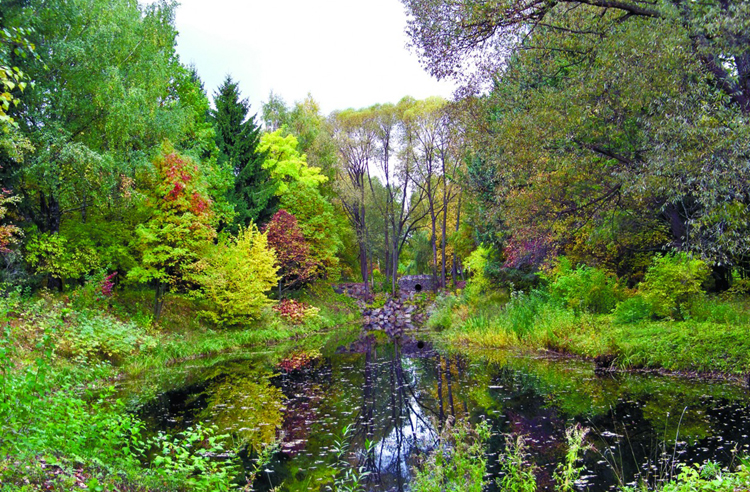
(285, 164)
(296, 266)
(275, 113)
(238, 138)
(476, 36)
(612, 132)
(354, 134)
(182, 223)
(321, 226)
(235, 276)
(109, 89)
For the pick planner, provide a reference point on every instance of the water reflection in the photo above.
(399, 395)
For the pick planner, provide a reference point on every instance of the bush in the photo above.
(235, 276)
(584, 288)
(633, 310)
(673, 283)
(440, 313)
(523, 309)
(295, 312)
(101, 337)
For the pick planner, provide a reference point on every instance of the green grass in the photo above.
(713, 337)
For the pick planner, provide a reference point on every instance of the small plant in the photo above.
(518, 472)
(348, 478)
(98, 288)
(633, 310)
(441, 312)
(188, 459)
(523, 310)
(459, 461)
(295, 312)
(569, 471)
(584, 288)
(98, 336)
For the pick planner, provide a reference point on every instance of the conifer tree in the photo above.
(237, 136)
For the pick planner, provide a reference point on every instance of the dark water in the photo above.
(398, 396)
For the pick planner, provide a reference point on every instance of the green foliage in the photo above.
(286, 164)
(181, 224)
(518, 473)
(440, 313)
(708, 477)
(186, 460)
(14, 43)
(238, 137)
(458, 463)
(570, 470)
(9, 233)
(236, 275)
(91, 337)
(321, 226)
(523, 310)
(348, 478)
(673, 283)
(53, 254)
(476, 263)
(633, 309)
(583, 288)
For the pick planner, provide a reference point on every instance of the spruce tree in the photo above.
(237, 137)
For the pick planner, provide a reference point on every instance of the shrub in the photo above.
(295, 312)
(441, 311)
(98, 288)
(476, 263)
(672, 283)
(584, 288)
(235, 276)
(633, 310)
(102, 337)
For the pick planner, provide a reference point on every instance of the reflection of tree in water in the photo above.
(407, 395)
(247, 408)
(304, 389)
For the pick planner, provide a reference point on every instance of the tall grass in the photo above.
(584, 312)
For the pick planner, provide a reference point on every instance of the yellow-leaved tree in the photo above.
(235, 276)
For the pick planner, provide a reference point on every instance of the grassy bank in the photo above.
(582, 313)
(60, 356)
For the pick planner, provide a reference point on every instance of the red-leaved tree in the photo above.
(296, 266)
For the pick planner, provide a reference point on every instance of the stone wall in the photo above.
(415, 283)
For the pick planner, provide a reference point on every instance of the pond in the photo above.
(397, 396)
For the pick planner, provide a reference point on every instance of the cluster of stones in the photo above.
(355, 290)
(393, 318)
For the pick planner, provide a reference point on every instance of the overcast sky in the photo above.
(346, 53)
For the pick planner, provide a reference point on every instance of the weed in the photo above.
(518, 473)
(458, 463)
(569, 471)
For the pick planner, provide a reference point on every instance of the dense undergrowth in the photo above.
(667, 321)
(61, 426)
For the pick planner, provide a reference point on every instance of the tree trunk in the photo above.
(161, 288)
(454, 267)
(443, 241)
(363, 249)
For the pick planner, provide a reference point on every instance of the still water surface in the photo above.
(399, 396)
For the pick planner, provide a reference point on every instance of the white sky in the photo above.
(346, 53)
